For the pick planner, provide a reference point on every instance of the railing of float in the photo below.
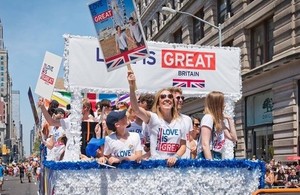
(277, 191)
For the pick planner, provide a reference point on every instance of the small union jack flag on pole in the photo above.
(188, 83)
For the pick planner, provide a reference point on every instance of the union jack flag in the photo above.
(189, 83)
(129, 56)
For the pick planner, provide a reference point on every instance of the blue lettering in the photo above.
(150, 60)
(124, 153)
(170, 132)
(98, 55)
(164, 138)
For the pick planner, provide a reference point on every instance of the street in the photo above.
(13, 186)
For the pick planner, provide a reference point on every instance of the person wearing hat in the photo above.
(94, 149)
(121, 144)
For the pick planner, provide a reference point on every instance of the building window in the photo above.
(173, 4)
(262, 43)
(224, 10)
(158, 20)
(2, 68)
(228, 44)
(198, 27)
(178, 36)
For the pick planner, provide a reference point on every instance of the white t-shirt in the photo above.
(136, 32)
(218, 138)
(122, 40)
(114, 147)
(65, 123)
(165, 138)
(57, 132)
(188, 126)
(134, 127)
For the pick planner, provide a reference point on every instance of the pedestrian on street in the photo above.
(22, 171)
(1, 175)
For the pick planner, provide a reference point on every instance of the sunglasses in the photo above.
(197, 124)
(178, 97)
(163, 96)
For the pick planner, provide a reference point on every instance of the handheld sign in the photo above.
(119, 31)
(48, 75)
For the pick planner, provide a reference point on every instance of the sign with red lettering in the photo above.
(196, 69)
(48, 75)
(179, 59)
(119, 31)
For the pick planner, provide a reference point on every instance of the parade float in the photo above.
(210, 68)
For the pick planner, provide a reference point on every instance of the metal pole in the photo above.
(204, 21)
(220, 35)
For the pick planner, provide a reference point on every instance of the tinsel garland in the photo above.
(152, 164)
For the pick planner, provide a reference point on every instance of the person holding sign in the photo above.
(167, 140)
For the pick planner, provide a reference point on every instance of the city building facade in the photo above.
(17, 135)
(9, 127)
(268, 34)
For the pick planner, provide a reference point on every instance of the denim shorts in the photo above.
(215, 155)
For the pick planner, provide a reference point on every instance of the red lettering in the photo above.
(47, 79)
(103, 16)
(188, 60)
(168, 147)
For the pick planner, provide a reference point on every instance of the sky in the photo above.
(30, 29)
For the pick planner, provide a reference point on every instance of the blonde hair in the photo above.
(86, 103)
(214, 105)
(156, 109)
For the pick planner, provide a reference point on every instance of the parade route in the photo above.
(13, 186)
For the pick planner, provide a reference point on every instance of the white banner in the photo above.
(48, 75)
(196, 69)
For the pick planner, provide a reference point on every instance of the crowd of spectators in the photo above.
(282, 175)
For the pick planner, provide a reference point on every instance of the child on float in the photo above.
(94, 149)
(167, 140)
(121, 144)
(215, 127)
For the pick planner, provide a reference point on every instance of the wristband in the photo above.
(177, 156)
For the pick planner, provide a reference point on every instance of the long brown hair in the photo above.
(155, 107)
(214, 105)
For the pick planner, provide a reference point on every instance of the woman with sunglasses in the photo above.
(215, 127)
(167, 140)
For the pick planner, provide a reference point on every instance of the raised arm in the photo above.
(47, 116)
(140, 112)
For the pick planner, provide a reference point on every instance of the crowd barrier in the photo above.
(285, 191)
